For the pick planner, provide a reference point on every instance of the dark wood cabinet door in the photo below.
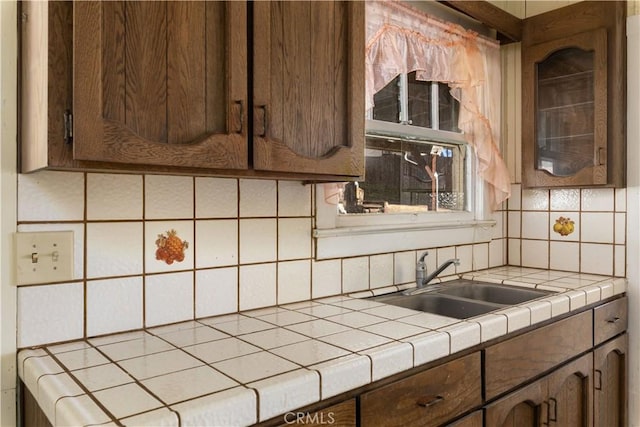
(610, 385)
(525, 407)
(474, 419)
(570, 394)
(308, 87)
(161, 83)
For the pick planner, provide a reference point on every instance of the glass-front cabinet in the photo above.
(567, 144)
(574, 96)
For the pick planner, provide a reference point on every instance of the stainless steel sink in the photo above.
(491, 292)
(443, 305)
(462, 298)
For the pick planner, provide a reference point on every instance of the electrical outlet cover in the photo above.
(44, 257)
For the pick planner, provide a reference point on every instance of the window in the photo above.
(416, 158)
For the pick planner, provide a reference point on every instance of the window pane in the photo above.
(448, 108)
(419, 96)
(387, 102)
(409, 176)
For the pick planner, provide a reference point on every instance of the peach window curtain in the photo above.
(401, 39)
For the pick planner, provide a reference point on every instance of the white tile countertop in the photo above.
(243, 368)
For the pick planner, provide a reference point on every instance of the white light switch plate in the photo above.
(44, 257)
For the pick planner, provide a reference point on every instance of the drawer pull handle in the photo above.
(554, 417)
(428, 401)
(613, 320)
(598, 380)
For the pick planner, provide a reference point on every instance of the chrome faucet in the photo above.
(421, 272)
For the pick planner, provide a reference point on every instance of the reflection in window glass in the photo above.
(387, 103)
(419, 98)
(409, 176)
(448, 109)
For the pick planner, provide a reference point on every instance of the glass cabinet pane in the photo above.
(565, 121)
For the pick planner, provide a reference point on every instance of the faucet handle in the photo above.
(423, 256)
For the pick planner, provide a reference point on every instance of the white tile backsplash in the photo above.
(114, 249)
(596, 227)
(294, 198)
(216, 291)
(294, 281)
(258, 198)
(216, 243)
(111, 196)
(168, 298)
(168, 197)
(355, 274)
(597, 199)
(258, 286)
(380, 270)
(51, 196)
(294, 238)
(114, 305)
(216, 197)
(258, 240)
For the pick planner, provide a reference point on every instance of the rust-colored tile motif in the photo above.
(563, 226)
(170, 247)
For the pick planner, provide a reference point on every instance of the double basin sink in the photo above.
(462, 298)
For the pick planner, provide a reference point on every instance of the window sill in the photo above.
(367, 240)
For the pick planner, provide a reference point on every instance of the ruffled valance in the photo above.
(401, 39)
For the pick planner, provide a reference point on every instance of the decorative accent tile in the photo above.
(216, 351)
(216, 243)
(168, 298)
(255, 366)
(294, 281)
(569, 227)
(188, 384)
(51, 196)
(428, 347)
(326, 278)
(258, 240)
(216, 291)
(114, 249)
(237, 406)
(127, 400)
(294, 198)
(294, 238)
(50, 313)
(343, 374)
(114, 196)
(168, 197)
(389, 359)
(257, 286)
(114, 305)
(168, 246)
(287, 392)
(258, 198)
(216, 197)
(159, 364)
(355, 274)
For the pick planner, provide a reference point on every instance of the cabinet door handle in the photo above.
(614, 319)
(554, 417)
(602, 156)
(545, 416)
(598, 379)
(260, 122)
(428, 401)
(238, 107)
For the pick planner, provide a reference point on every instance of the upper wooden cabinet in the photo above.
(270, 89)
(160, 83)
(573, 94)
(307, 87)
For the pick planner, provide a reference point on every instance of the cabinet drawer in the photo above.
(519, 359)
(429, 398)
(609, 320)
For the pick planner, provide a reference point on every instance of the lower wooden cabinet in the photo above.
(472, 420)
(342, 414)
(429, 398)
(610, 383)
